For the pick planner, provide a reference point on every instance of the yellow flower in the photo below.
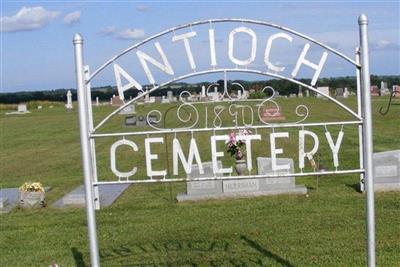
(32, 187)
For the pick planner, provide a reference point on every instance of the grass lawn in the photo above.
(147, 227)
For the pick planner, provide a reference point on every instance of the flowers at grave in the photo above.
(236, 144)
(32, 187)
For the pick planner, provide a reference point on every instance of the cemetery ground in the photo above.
(147, 227)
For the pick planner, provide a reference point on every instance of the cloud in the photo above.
(27, 19)
(72, 18)
(142, 8)
(107, 31)
(384, 45)
(127, 34)
(130, 34)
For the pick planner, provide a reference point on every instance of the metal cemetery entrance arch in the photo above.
(89, 132)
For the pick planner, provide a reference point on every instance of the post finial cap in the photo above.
(362, 19)
(78, 39)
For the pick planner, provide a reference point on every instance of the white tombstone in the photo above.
(346, 93)
(307, 93)
(300, 92)
(147, 98)
(69, 105)
(97, 101)
(215, 96)
(323, 89)
(21, 108)
(128, 110)
(239, 93)
(39, 107)
(111, 101)
(245, 95)
(164, 100)
(170, 95)
(203, 91)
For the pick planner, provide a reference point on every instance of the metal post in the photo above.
(367, 136)
(85, 146)
(360, 127)
(92, 151)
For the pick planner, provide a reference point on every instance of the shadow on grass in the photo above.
(265, 252)
(226, 252)
(356, 187)
(78, 258)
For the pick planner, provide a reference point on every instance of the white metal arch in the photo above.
(211, 21)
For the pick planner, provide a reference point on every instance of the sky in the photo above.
(37, 51)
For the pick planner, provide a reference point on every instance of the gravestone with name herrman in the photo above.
(199, 190)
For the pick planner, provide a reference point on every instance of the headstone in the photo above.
(323, 89)
(97, 101)
(128, 110)
(346, 93)
(374, 90)
(22, 108)
(300, 92)
(214, 96)
(170, 95)
(396, 90)
(384, 90)
(116, 101)
(203, 91)
(271, 114)
(147, 98)
(239, 93)
(111, 101)
(264, 167)
(339, 92)
(211, 189)
(130, 121)
(152, 99)
(39, 107)
(387, 170)
(245, 94)
(69, 105)
(141, 121)
(164, 100)
(307, 93)
(292, 95)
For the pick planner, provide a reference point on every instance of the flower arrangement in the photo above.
(236, 144)
(32, 187)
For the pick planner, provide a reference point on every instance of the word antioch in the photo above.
(194, 155)
(165, 66)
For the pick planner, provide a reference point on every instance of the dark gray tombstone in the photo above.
(130, 121)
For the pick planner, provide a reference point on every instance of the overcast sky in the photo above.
(37, 50)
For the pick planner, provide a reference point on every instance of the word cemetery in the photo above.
(194, 154)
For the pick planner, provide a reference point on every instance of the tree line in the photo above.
(282, 86)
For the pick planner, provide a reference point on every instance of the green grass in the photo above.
(146, 227)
